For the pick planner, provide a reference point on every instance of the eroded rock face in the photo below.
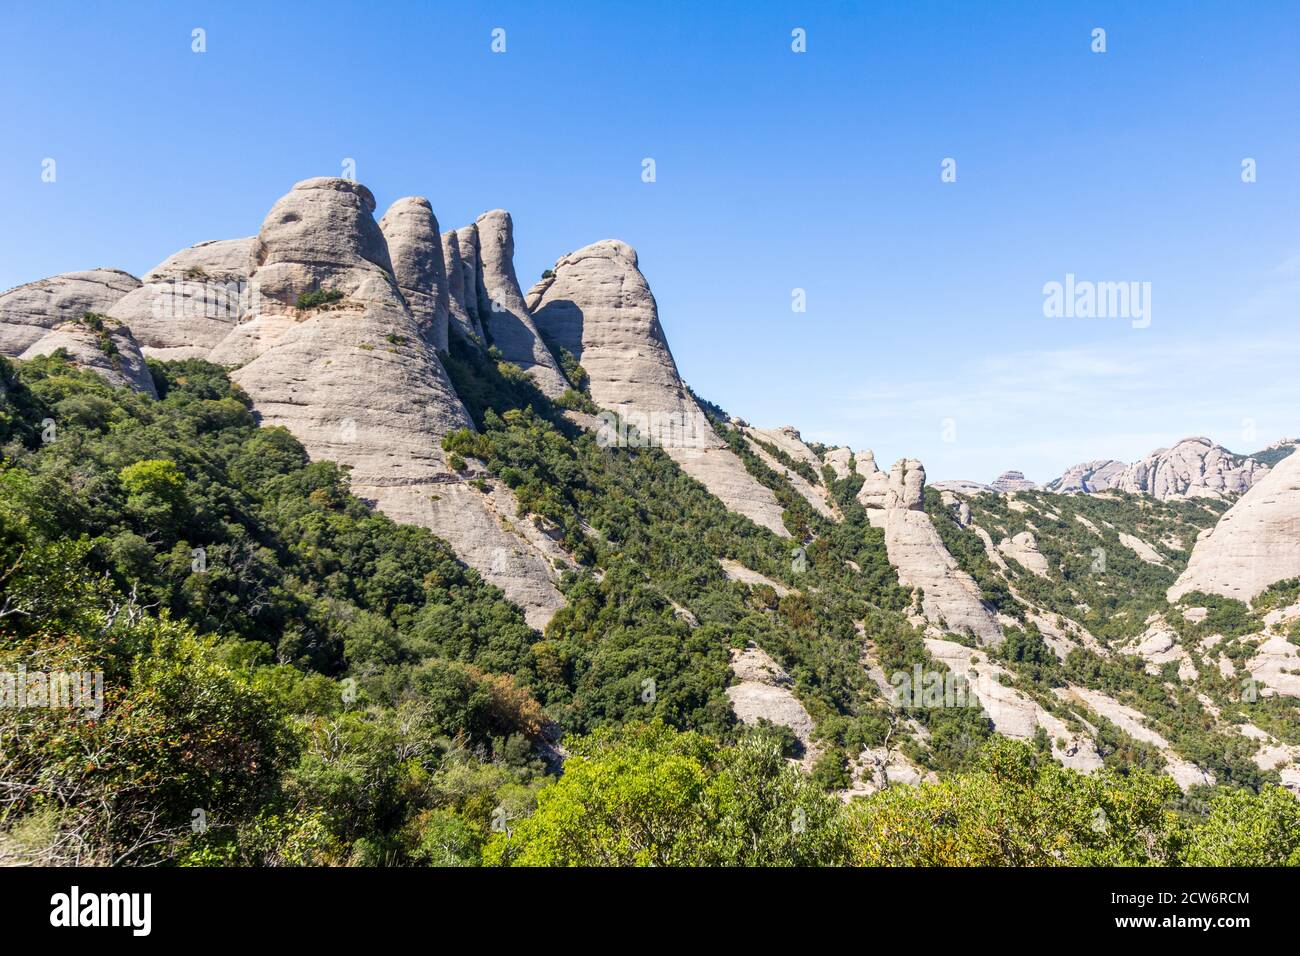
(840, 459)
(788, 439)
(28, 312)
(321, 237)
(950, 597)
(1184, 773)
(961, 486)
(1255, 544)
(1194, 467)
(815, 495)
(1023, 547)
(764, 691)
(598, 306)
(501, 307)
(415, 248)
(874, 492)
(1013, 481)
(1088, 476)
(355, 381)
(460, 318)
(906, 485)
(192, 300)
(108, 350)
(1013, 713)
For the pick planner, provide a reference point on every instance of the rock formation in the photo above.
(501, 308)
(415, 248)
(1013, 481)
(1194, 467)
(1185, 773)
(788, 439)
(814, 494)
(31, 310)
(1088, 476)
(874, 492)
(950, 598)
(763, 691)
(101, 345)
(353, 379)
(960, 486)
(906, 487)
(840, 460)
(460, 316)
(1023, 547)
(1015, 714)
(1255, 544)
(191, 301)
(598, 306)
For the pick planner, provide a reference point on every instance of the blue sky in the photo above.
(775, 171)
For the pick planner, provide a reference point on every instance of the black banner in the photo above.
(336, 906)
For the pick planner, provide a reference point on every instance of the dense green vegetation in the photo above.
(291, 678)
(318, 298)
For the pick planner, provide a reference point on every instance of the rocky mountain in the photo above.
(102, 345)
(1088, 476)
(1254, 545)
(1194, 467)
(950, 600)
(31, 310)
(597, 305)
(789, 582)
(1013, 481)
(187, 304)
(501, 308)
(415, 248)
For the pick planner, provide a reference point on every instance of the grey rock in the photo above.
(1013, 481)
(598, 306)
(1088, 476)
(874, 492)
(950, 598)
(460, 318)
(192, 300)
(111, 353)
(28, 312)
(1254, 545)
(1194, 467)
(501, 307)
(415, 248)
(356, 383)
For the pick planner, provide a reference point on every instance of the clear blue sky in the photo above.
(775, 170)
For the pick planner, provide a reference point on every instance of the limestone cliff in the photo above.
(28, 312)
(598, 306)
(501, 308)
(101, 345)
(1255, 544)
(1194, 467)
(354, 379)
(415, 248)
(192, 300)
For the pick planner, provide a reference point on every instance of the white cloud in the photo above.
(1043, 410)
